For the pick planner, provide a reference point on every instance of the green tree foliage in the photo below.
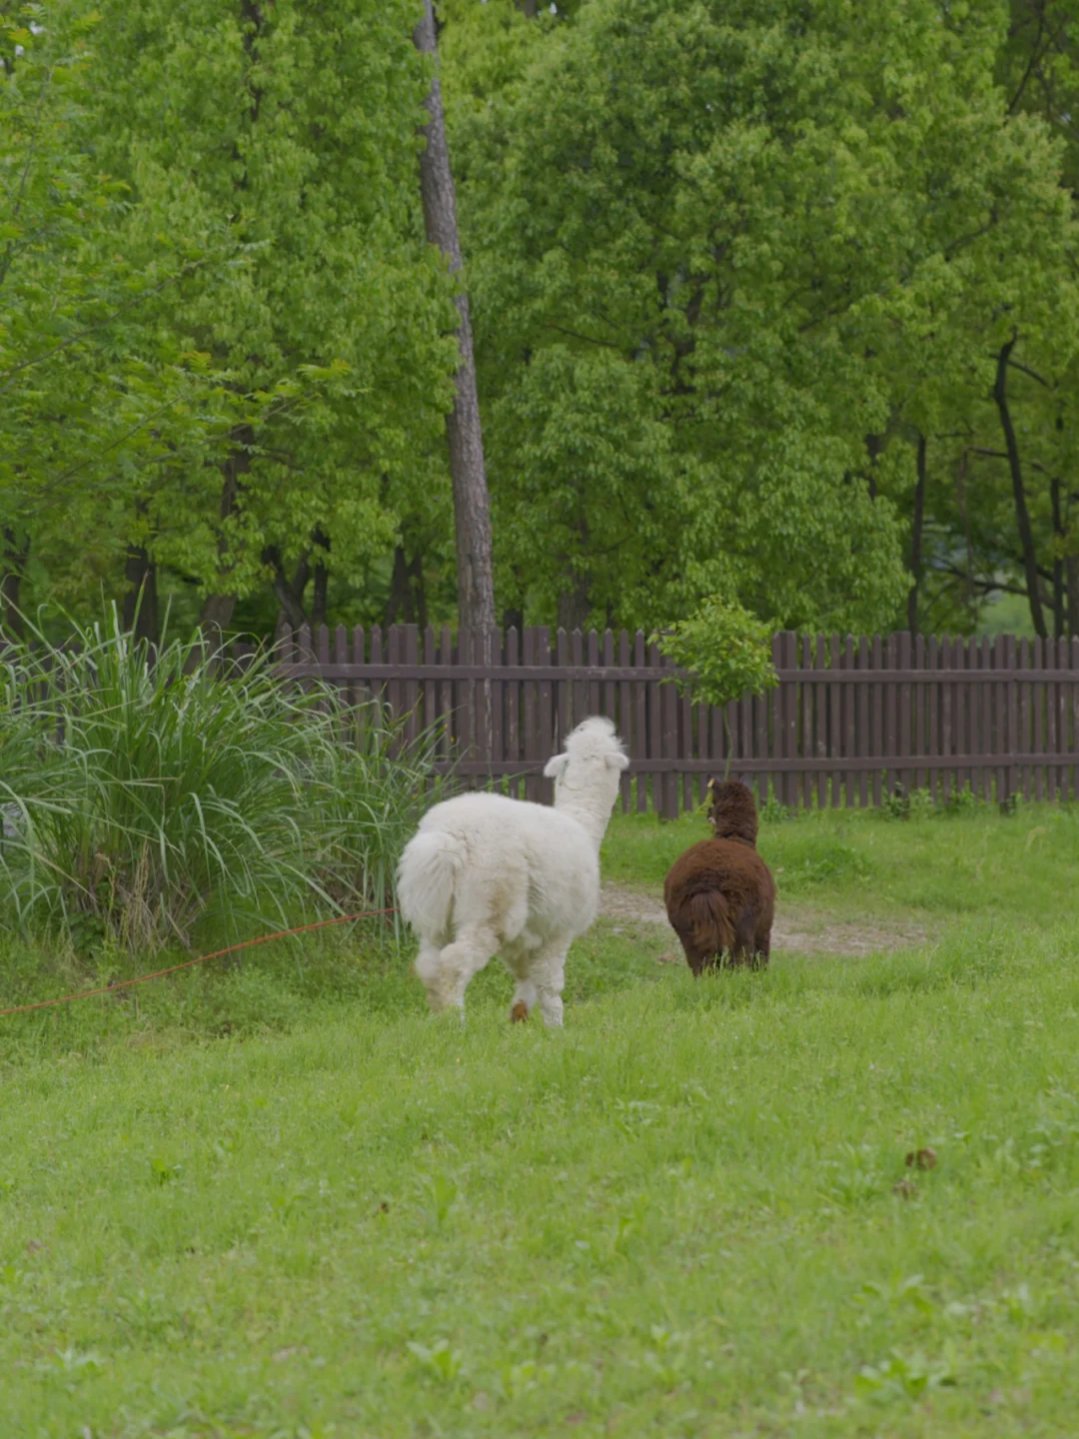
(729, 262)
(774, 299)
(92, 395)
(294, 129)
(268, 152)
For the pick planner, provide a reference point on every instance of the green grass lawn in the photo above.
(282, 1201)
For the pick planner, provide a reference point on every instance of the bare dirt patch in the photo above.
(798, 929)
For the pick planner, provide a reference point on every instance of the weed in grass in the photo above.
(904, 1376)
(771, 811)
(439, 1193)
(440, 1359)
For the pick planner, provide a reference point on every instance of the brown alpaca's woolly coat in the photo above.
(720, 894)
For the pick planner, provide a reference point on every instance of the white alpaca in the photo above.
(487, 875)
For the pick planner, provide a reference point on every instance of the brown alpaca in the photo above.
(720, 894)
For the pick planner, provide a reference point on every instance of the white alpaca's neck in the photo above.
(592, 822)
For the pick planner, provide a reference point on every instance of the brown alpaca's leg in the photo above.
(764, 945)
(745, 944)
(697, 962)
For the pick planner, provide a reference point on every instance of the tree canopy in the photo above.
(774, 307)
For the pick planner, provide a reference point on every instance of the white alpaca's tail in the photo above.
(426, 879)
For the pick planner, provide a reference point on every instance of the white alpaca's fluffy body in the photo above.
(487, 875)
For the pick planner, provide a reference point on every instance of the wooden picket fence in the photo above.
(853, 720)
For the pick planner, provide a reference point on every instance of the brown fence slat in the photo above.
(430, 689)
(686, 800)
(545, 737)
(1000, 718)
(965, 709)
(565, 698)
(947, 707)
(395, 659)
(876, 717)
(836, 734)
(668, 743)
(806, 742)
(595, 705)
(847, 700)
(787, 715)
(982, 713)
(641, 711)
(530, 748)
(904, 718)
(512, 712)
(1047, 700)
(890, 699)
(495, 699)
(1067, 650)
(626, 722)
(918, 700)
(1025, 739)
(409, 649)
(820, 717)
(580, 708)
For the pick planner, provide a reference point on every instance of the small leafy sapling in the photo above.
(723, 652)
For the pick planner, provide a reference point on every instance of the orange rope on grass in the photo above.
(190, 963)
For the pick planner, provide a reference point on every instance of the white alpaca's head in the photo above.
(587, 773)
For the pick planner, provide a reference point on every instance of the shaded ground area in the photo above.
(798, 928)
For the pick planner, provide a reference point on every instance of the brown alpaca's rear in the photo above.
(720, 894)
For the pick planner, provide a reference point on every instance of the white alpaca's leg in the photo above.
(425, 966)
(525, 999)
(456, 964)
(549, 975)
(518, 958)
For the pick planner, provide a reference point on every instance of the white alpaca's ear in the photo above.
(555, 767)
(618, 760)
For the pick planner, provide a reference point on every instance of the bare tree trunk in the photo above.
(917, 524)
(320, 595)
(1059, 597)
(289, 595)
(475, 584)
(1022, 513)
(1072, 566)
(573, 605)
(874, 447)
(140, 609)
(217, 608)
(12, 562)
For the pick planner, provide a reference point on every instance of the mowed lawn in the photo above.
(283, 1201)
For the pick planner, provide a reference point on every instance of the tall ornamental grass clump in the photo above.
(145, 790)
